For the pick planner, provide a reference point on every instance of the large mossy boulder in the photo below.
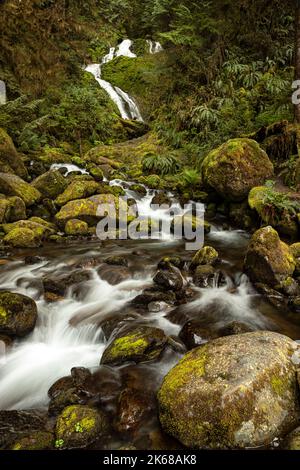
(85, 209)
(234, 392)
(50, 184)
(77, 190)
(268, 260)
(12, 185)
(76, 227)
(10, 160)
(12, 209)
(18, 314)
(141, 344)
(295, 250)
(78, 426)
(235, 167)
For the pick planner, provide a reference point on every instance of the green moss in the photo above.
(207, 255)
(76, 227)
(77, 190)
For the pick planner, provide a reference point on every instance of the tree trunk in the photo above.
(297, 56)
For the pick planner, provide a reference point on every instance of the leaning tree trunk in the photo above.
(297, 56)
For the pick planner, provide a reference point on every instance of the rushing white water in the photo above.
(70, 167)
(154, 46)
(66, 335)
(126, 105)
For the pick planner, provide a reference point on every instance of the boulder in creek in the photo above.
(235, 167)
(18, 314)
(50, 184)
(207, 255)
(194, 333)
(12, 185)
(78, 426)
(59, 284)
(77, 190)
(233, 392)
(85, 209)
(36, 440)
(292, 440)
(14, 424)
(205, 276)
(140, 344)
(10, 160)
(153, 294)
(113, 274)
(76, 227)
(133, 409)
(268, 260)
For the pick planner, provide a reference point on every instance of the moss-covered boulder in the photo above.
(234, 392)
(76, 227)
(78, 426)
(235, 167)
(10, 160)
(141, 344)
(96, 172)
(50, 184)
(18, 314)
(27, 233)
(206, 256)
(268, 260)
(292, 441)
(37, 440)
(84, 209)
(12, 185)
(77, 190)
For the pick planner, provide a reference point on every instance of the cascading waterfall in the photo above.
(154, 46)
(126, 105)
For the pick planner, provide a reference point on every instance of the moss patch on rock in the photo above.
(77, 190)
(10, 160)
(12, 185)
(76, 227)
(50, 184)
(18, 314)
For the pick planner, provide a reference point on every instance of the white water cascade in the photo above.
(154, 46)
(126, 105)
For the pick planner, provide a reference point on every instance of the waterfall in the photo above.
(2, 92)
(126, 105)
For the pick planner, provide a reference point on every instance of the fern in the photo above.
(160, 164)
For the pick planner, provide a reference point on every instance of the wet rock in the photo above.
(12, 185)
(140, 189)
(154, 295)
(234, 328)
(241, 389)
(14, 424)
(134, 406)
(116, 261)
(38, 440)
(170, 279)
(61, 385)
(80, 375)
(77, 190)
(268, 259)
(207, 255)
(176, 261)
(78, 426)
(113, 274)
(76, 227)
(50, 184)
(18, 314)
(194, 334)
(235, 167)
(61, 282)
(141, 344)
(273, 296)
(204, 276)
(10, 160)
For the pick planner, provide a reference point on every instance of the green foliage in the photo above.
(160, 164)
